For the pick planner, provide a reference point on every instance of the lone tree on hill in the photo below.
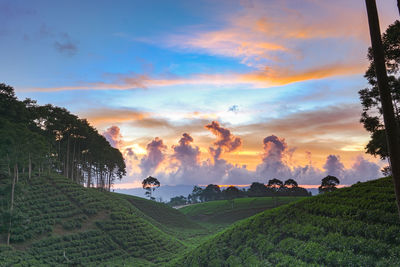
(328, 184)
(150, 184)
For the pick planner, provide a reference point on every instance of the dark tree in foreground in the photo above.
(150, 184)
(372, 116)
(328, 184)
(382, 64)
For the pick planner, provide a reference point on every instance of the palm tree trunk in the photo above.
(391, 127)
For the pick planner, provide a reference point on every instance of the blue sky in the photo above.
(163, 68)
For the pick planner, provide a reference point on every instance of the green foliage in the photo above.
(150, 184)
(39, 138)
(88, 226)
(371, 117)
(221, 211)
(355, 226)
(328, 184)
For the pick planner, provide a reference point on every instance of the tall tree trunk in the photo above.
(109, 181)
(67, 163)
(8, 165)
(16, 165)
(391, 127)
(73, 162)
(30, 166)
(398, 5)
(12, 202)
(89, 179)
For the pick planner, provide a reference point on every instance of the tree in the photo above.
(382, 64)
(290, 183)
(197, 194)
(328, 184)
(211, 192)
(257, 189)
(150, 184)
(177, 201)
(275, 184)
(231, 193)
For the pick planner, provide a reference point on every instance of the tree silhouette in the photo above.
(257, 189)
(382, 81)
(150, 184)
(328, 184)
(275, 184)
(211, 192)
(290, 183)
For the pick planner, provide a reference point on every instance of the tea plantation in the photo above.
(355, 226)
(60, 223)
(224, 212)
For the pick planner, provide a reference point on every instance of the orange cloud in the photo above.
(280, 76)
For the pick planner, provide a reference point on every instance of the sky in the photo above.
(199, 92)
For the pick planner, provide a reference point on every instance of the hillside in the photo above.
(355, 226)
(59, 222)
(223, 212)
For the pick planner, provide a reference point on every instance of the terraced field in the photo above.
(223, 212)
(59, 223)
(63, 223)
(355, 226)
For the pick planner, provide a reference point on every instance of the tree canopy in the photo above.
(371, 116)
(49, 138)
(150, 184)
(328, 184)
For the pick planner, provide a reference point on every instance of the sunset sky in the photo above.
(262, 89)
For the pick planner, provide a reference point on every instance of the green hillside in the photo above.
(225, 212)
(355, 226)
(59, 222)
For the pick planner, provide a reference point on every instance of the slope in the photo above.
(355, 226)
(226, 212)
(58, 222)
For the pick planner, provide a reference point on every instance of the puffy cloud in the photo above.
(226, 142)
(185, 153)
(362, 170)
(273, 165)
(334, 167)
(113, 136)
(155, 155)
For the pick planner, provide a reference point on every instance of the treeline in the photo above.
(38, 139)
(274, 188)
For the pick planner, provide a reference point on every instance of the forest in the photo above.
(38, 139)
